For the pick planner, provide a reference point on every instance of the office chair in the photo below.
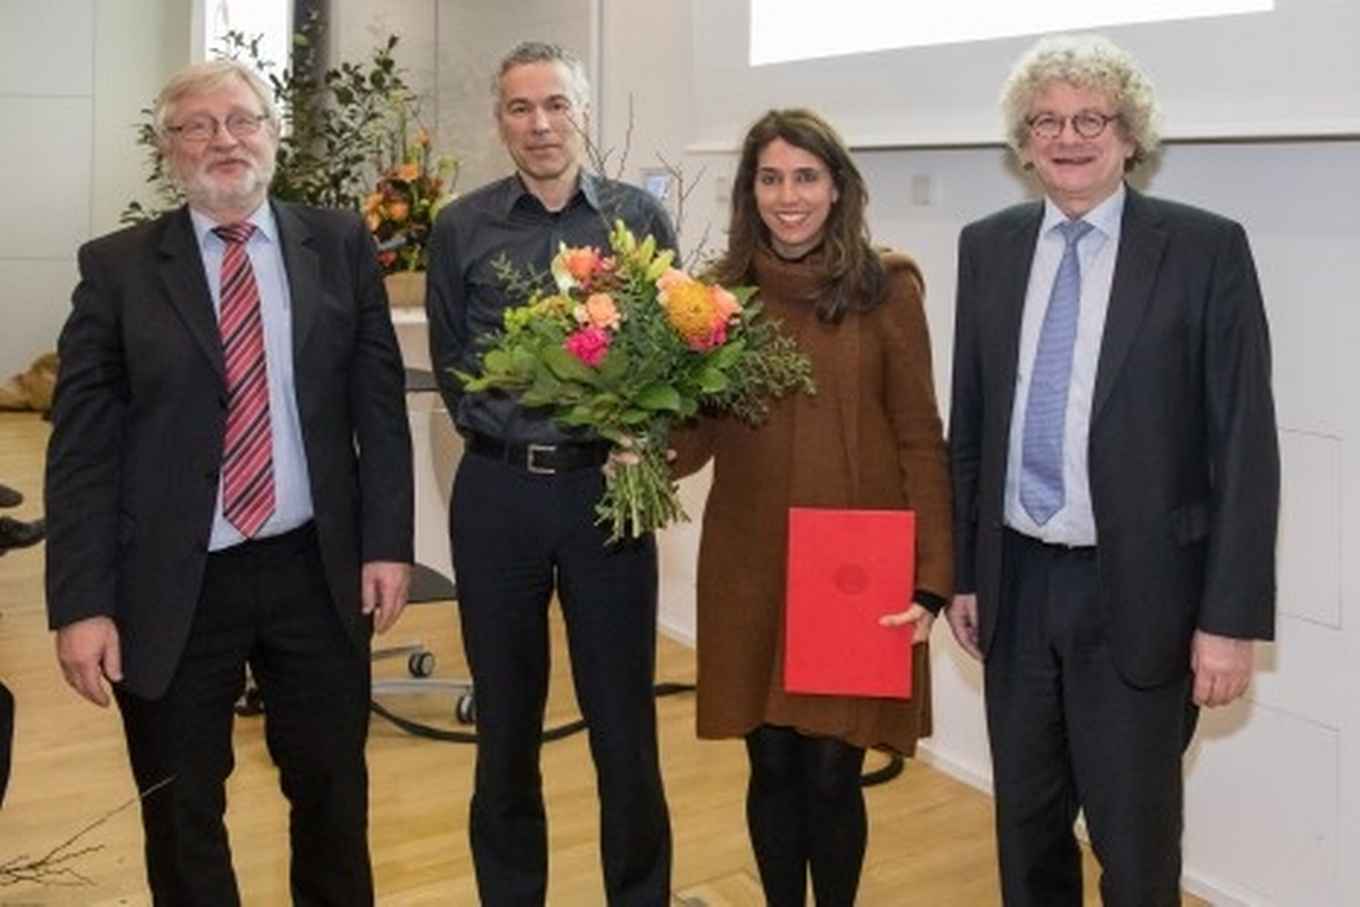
(427, 584)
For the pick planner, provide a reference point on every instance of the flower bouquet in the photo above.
(628, 346)
(401, 209)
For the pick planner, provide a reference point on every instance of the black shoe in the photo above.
(18, 534)
(9, 497)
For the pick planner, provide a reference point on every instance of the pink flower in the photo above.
(725, 304)
(714, 338)
(589, 345)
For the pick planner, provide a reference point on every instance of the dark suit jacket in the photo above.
(1183, 452)
(140, 413)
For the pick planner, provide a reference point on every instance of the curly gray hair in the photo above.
(205, 77)
(1091, 62)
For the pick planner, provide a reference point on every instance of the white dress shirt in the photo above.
(1074, 523)
(292, 488)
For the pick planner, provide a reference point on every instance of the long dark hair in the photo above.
(854, 276)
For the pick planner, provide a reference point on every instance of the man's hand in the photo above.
(1222, 667)
(89, 653)
(963, 620)
(917, 614)
(384, 587)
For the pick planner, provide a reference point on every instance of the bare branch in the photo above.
(627, 140)
(53, 867)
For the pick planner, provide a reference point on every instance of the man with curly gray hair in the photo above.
(1116, 481)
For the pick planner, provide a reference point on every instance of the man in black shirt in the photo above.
(523, 514)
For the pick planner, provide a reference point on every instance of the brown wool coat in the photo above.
(870, 438)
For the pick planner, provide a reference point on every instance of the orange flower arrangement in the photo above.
(628, 346)
(401, 209)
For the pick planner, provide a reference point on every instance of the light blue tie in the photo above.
(1041, 462)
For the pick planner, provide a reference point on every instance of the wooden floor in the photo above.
(930, 841)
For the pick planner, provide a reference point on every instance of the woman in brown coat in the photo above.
(869, 439)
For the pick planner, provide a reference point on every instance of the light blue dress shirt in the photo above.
(1075, 523)
(292, 488)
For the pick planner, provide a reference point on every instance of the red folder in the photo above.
(847, 568)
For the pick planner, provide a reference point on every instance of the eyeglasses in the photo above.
(203, 128)
(1088, 124)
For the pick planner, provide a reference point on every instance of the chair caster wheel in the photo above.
(466, 709)
(420, 664)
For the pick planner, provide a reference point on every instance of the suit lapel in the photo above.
(303, 265)
(1017, 257)
(181, 267)
(1142, 242)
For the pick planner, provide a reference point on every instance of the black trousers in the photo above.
(1068, 732)
(265, 603)
(516, 535)
(6, 737)
(805, 812)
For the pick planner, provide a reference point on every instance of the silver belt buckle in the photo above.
(533, 450)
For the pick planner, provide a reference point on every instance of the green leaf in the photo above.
(523, 361)
(744, 294)
(659, 397)
(568, 367)
(577, 415)
(614, 368)
(712, 380)
(497, 361)
(725, 356)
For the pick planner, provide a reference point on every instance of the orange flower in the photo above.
(398, 210)
(372, 202)
(602, 312)
(689, 309)
(581, 263)
(374, 220)
(573, 268)
(407, 172)
(670, 278)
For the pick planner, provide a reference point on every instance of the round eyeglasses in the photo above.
(1088, 124)
(202, 128)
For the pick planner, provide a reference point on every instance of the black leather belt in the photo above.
(1051, 547)
(541, 459)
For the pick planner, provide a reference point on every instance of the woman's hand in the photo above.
(917, 614)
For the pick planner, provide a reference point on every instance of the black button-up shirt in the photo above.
(465, 299)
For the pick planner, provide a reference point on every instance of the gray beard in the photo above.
(203, 196)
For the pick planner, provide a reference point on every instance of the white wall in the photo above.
(450, 49)
(1273, 782)
(73, 76)
(1273, 795)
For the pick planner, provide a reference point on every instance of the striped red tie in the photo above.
(248, 463)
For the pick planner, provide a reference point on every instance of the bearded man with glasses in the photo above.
(1116, 482)
(229, 483)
